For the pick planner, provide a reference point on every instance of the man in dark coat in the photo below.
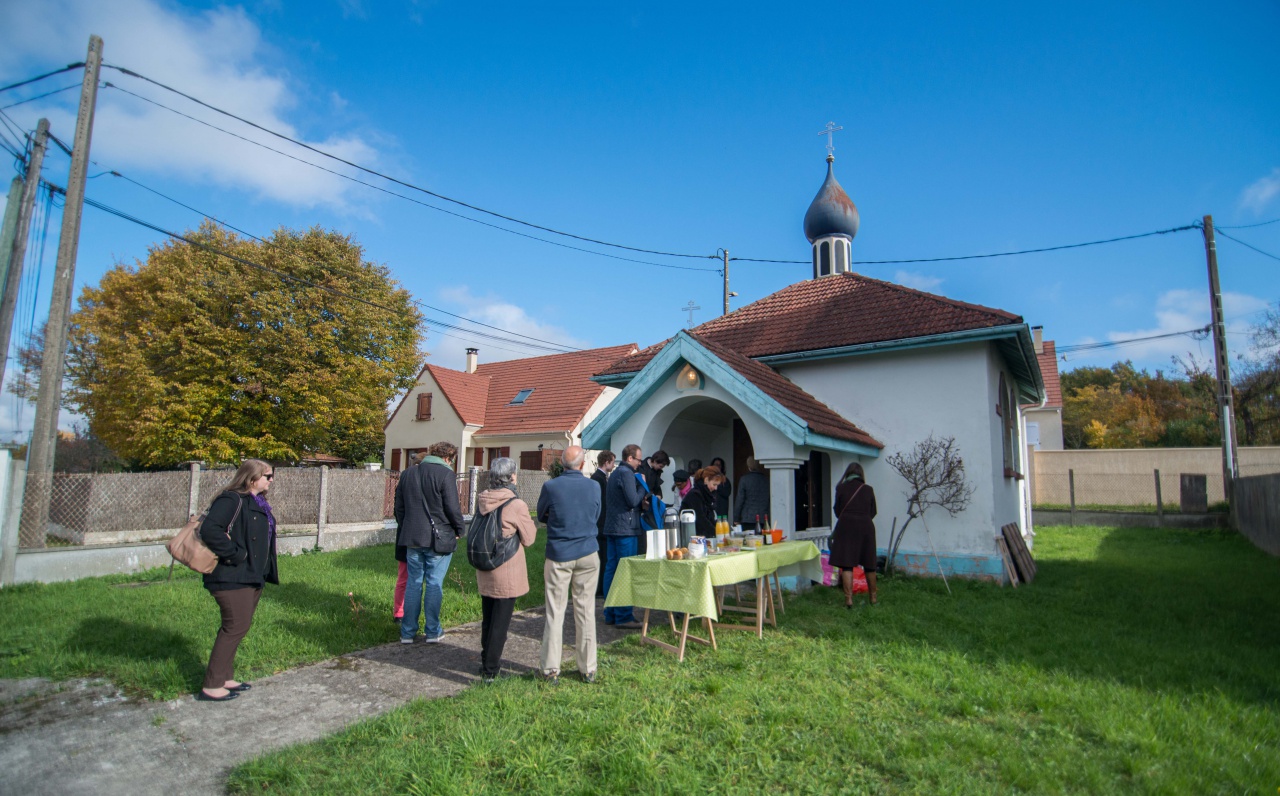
(605, 463)
(429, 524)
(623, 498)
(652, 468)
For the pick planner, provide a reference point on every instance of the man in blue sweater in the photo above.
(569, 506)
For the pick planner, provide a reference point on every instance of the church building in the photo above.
(841, 368)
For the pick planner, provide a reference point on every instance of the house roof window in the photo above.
(521, 397)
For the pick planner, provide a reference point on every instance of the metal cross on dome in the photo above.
(690, 309)
(829, 131)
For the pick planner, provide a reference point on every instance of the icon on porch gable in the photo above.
(689, 379)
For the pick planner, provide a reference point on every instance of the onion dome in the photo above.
(832, 211)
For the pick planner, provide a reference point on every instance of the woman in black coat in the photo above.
(241, 531)
(701, 500)
(853, 542)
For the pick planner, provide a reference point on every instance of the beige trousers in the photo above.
(558, 577)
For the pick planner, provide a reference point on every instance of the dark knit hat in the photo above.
(680, 476)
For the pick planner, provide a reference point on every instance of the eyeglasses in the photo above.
(270, 476)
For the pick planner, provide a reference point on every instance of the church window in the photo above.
(842, 257)
(815, 261)
(824, 258)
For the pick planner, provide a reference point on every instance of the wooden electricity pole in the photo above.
(18, 250)
(35, 506)
(1226, 402)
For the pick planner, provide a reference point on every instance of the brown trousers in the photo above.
(237, 606)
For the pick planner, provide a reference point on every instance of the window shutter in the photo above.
(530, 460)
(395, 459)
(477, 457)
(505, 452)
(424, 406)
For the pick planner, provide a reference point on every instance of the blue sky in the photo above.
(968, 129)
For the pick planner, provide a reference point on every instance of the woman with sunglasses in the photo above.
(241, 531)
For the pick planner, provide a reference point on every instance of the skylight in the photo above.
(520, 398)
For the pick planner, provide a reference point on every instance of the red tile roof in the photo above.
(831, 312)
(1048, 360)
(820, 418)
(562, 390)
(467, 393)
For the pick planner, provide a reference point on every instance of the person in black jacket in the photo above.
(605, 462)
(701, 500)
(429, 524)
(241, 531)
(724, 491)
(622, 529)
(651, 468)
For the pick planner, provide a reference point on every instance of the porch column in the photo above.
(782, 493)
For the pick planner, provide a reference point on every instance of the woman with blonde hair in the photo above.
(241, 531)
(853, 542)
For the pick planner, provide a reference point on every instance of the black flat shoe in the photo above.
(241, 687)
(203, 697)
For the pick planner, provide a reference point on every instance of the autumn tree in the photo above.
(194, 356)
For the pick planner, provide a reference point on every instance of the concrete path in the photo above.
(85, 737)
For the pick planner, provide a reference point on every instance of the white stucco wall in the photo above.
(900, 398)
(405, 432)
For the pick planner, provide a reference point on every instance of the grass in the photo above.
(1139, 661)
(1221, 507)
(152, 637)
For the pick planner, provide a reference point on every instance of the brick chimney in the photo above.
(473, 358)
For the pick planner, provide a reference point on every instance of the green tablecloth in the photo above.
(688, 586)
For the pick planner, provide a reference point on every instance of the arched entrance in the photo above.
(704, 428)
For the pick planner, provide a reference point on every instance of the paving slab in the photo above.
(86, 737)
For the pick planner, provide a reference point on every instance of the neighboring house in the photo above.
(1044, 421)
(842, 368)
(527, 409)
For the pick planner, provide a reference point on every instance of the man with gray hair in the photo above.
(569, 506)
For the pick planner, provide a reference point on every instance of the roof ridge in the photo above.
(934, 296)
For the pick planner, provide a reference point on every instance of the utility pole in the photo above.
(18, 247)
(1226, 402)
(35, 507)
(726, 281)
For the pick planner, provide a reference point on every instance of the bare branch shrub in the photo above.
(934, 472)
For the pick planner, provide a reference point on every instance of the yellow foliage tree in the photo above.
(193, 356)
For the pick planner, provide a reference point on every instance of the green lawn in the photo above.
(152, 637)
(1140, 660)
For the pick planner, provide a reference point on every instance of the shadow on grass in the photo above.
(1189, 611)
(115, 638)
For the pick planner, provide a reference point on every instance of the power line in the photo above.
(398, 181)
(273, 244)
(1246, 245)
(290, 277)
(400, 195)
(996, 254)
(1247, 226)
(1075, 349)
(40, 96)
(38, 78)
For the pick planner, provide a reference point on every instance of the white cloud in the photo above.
(917, 281)
(447, 346)
(1180, 310)
(1258, 195)
(217, 55)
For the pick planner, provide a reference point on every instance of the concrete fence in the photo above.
(1257, 510)
(1127, 477)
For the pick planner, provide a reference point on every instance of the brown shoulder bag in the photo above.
(186, 546)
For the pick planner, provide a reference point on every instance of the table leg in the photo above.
(762, 590)
(782, 606)
(773, 617)
(684, 637)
